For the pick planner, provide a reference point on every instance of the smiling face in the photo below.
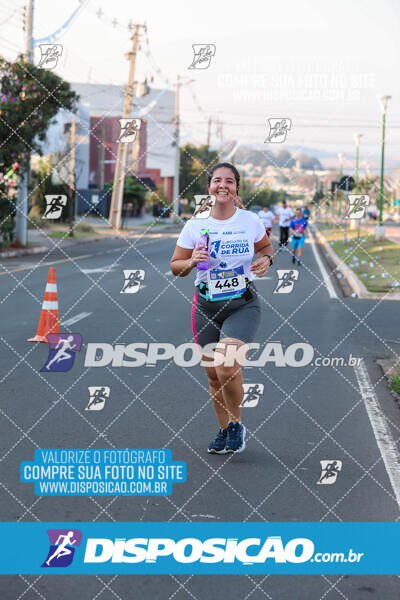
(223, 185)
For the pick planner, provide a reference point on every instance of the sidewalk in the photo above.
(392, 231)
(40, 241)
(129, 223)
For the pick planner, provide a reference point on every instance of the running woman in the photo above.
(298, 226)
(226, 311)
(268, 218)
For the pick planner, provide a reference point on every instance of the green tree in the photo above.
(134, 192)
(194, 162)
(42, 184)
(30, 98)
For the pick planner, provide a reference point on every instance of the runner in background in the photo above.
(285, 215)
(298, 226)
(268, 218)
(306, 212)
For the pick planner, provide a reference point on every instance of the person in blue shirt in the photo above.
(306, 212)
(298, 226)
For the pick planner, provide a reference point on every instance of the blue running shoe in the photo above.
(217, 446)
(236, 438)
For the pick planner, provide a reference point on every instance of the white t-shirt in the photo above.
(285, 216)
(266, 217)
(231, 240)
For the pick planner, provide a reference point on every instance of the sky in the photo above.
(319, 64)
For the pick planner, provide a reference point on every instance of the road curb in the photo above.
(352, 280)
(63, 243)
(68, 243)
(386, 365)
(23, 252)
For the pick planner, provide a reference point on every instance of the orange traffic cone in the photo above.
(49, 320)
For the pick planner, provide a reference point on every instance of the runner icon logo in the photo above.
(97, 397)
(133, 279)
(329, 471)
(252, 393)
(129, 129)
(286, 281)
(203, 206)
(357, 205)
(278, 129)
(203, 54)
(214, 248)
(62, 547)
(54, 206)
(62, 351)
(50, 53)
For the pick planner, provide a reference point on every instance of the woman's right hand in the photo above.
(199, 255)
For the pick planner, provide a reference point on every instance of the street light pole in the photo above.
(380, 230)
(357, 138)
(340, 157)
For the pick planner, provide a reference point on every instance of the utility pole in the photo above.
(71, 211)
(22, 200)
(101, 156)
(209, 134)
(220, 136)
(177, 153)
(29, 32)
(179, 83)
(120, 165)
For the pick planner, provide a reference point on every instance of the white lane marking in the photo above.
(384, 439)
(324, 273)
(168, 273)
(105, 269)
(75, 319)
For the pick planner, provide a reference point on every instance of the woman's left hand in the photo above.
(260, 266)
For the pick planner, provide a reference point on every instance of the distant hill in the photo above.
(262, 157)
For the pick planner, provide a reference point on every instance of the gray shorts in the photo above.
(238, 318)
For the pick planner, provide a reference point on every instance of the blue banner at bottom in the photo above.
(200, 548)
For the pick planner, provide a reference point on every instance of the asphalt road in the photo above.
(304, 416)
